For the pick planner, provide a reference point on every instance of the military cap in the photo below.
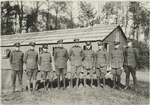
(60, 41)
(116, 43)
(32, 44)
(17, 44)
(45, 46)
(100, 43)
(129, 40)
(76, 40)
(88, 43)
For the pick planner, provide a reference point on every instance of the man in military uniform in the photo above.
(101, 63)
(31, 60)
(44, 61)
(116, 64)
(131, 56)
(75, 56)
(16, 62)
(88, 62)
(60, 58)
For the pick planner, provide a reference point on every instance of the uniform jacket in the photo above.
(101, 58)
(60, 57)
(44, 61)
(88, 59)
(31, 59)
(131, 56)
(116, 58)
(16, 60)
(75, 55)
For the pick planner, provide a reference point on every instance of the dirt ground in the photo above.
(80, 96)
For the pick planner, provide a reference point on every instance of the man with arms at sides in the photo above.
(131, 56)
(60, 58)
(75, 56)
(31, 60)
(88, 62)
(16, 62)
(101, 63)
(44, 61)
(116, 64)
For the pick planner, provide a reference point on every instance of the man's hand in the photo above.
(110, 68)
(122, 69)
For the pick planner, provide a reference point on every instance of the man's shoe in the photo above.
(126, 88)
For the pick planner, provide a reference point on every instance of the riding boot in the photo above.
(98, 81)
(58, 82)
(84, 82)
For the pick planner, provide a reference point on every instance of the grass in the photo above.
(81, 96)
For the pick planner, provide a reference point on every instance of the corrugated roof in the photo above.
(84, 34)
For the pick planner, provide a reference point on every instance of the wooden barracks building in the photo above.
(107, 33)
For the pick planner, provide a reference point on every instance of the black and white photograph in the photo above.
(75, 52)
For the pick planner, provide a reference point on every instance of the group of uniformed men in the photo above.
(116, 60)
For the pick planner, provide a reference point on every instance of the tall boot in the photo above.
(44, 84)
(114, 81)
(104, 82)
(64, 85)
(127, 81)
(84, 82)
(135, 82)
(71, 82)
(91, 82)
(29, 83)
(51, 84)
(77, 82)
(118, 81)
(34, 85)
(98, 81)
(58, 82)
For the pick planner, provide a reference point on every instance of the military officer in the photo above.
(31, 60)
(44, 61)
(101, 63)
(131, 56)
(16, 62)
(75, 56)
(116, 64)
(88, 62)
(60, 58)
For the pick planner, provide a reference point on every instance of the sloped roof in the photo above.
(84, 34)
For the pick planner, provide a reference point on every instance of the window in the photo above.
(53, 50)
(84, 47)
(40, 50)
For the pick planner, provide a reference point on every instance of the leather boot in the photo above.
(58, 82)
(98, 81)
(84, 82)
(91, 82)
(34, 85)
(71, 83)
(29, 83)
(103, 82)
(64, 85)
(77, 82)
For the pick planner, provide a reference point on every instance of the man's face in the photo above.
(129, 44)
(32, 47)
(88, 47)
(44, 49)
(76, 44)
(17, 48)
(100, 47)
(117, 46)
(61, 45)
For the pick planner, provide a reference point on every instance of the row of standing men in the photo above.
(116, 60)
